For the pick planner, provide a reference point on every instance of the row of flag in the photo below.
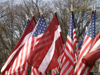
(42, 47)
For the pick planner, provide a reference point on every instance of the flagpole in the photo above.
(54, 9)
(31, 13)
(26, 16)
(94, 6)
(72, 7)
(40, 10)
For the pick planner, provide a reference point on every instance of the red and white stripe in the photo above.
(74, 37)
(95, 46)
(13, 54)
(12, 59)
(80, 68)
(20, 66)
(20, 62)
(35, 71)
(69, 56)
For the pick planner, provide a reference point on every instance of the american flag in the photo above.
(81, 42)
(94, 52)
(81, 68)
(69, 55)
(11, 59)
(20, 65)
(45, 54)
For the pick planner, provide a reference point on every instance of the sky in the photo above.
(19, 1)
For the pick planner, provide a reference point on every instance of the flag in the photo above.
(80, 44)
(19, 45)
(22, 65)
(81, 68)
(94, 52)
(45, 54)
(8, 72)
(56, 70)
(35, 71)
(69, 52)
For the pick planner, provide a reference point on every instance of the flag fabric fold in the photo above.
(67, 67)
(45, 54)
(19, 45)
(81, 68)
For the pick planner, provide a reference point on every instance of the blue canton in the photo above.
(40, 27)
(71, 27)
(91, 28)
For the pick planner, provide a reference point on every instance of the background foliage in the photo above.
(12, 19)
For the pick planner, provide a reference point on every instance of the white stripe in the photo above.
(29, 47)
(47, 59)
(23, 56)
(68, 71)
(64, 67)
(68, 54)
(18, 61)
(12, 55)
